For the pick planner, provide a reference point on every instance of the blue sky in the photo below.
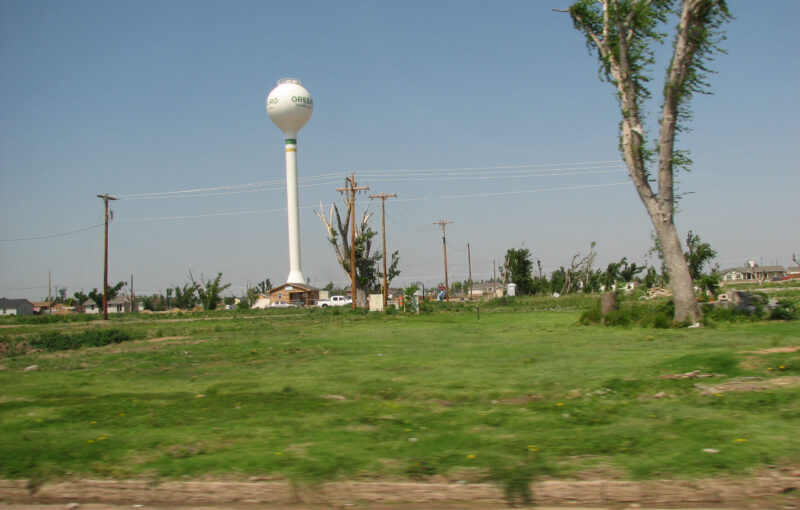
(145, 97)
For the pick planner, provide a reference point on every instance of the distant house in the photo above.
(42, 307)
(793, 272)
(15, 307)
(751, 273)
(122, 304)
(262, 302)
(489, 289)
(89, 306)
(294, 293)
(62, 309)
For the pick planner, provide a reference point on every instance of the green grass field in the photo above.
(337, 395)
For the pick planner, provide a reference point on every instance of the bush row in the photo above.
(56, 341)
(660, 314)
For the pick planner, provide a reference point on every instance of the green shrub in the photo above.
(56, 341)
(632, 311)
(591, 316)
(619, 317)
(54, 319)
(785, 311)
(662, 322)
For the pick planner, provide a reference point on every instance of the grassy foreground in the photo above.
(322, 396)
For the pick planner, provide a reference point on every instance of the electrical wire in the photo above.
(518, 192)
(441, 197)
(51, 236)
(453, 173)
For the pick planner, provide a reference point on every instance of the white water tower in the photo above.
(289, 105)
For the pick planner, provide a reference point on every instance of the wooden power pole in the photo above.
(469, 264)
(383, 197)
(444, 247)
(350, 198)
(105, 198)
(134, 308)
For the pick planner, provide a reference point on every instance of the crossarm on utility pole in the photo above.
(444, 247)
(351, 189)
(105, 198)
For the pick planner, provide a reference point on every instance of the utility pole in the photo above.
(350, 199)
(49, 294)
(105, 198)
(469, 264)
(444, 246)
(134, 308)
(383, 197)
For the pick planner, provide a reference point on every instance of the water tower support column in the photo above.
(293, 213)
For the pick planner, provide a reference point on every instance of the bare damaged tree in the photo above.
(759, 274)
(623, 33)
(339, 236)
(581, 268)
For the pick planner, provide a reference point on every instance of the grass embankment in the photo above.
(327, 395)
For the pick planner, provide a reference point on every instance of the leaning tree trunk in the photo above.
(362, 300)
(619, 36)
(680, 280)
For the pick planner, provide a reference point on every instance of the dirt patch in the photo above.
(130, 346)
(696, 374)
(522, 399)
(166, 338)
(749, 384)
(773, 350)
(768, 489)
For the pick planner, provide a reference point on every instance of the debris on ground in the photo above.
(774, 350)
(748, 384)
(695, 374)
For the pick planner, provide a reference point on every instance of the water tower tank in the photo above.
(290, 105)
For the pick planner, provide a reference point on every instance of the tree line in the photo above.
(580, 275)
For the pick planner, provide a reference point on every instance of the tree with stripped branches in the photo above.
(623, 33)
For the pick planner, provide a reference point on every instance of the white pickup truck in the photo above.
(334, 301)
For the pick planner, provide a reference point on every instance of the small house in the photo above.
(90, 306)
(751, 273)
(294, 293)
(42, 307)
(15, 307)
(261, 302)
(122, 304)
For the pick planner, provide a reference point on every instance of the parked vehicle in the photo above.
(281, 304)
(334, 301)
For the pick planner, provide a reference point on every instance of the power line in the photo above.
(51, 236)
(432, 172)
(519, 192)
(445, 176)
(418, 199)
